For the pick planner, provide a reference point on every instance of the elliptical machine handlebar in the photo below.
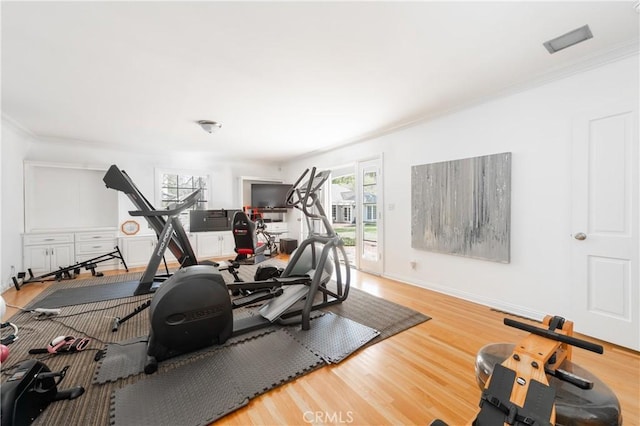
(303, 199)
(290, 200)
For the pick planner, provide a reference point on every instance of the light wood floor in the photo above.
(414, 377)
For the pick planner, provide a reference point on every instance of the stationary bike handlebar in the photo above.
(188, 201)
(579, 343)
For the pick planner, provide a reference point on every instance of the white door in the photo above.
(369, 216)
(605, 221)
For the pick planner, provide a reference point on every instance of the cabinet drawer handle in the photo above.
(49, 239)
(96, 236)
(97, 246)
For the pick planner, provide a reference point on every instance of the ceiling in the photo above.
(284, 78)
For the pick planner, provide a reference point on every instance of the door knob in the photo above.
(580, 236)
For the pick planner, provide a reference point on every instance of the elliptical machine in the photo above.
(321, 252)
(193, 308)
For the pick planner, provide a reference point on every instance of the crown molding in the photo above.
(593, 61)
(15, 125)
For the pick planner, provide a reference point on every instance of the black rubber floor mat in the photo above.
(124, 359)
(196, 394)
(213, 386)
(266, 362)
(333, 337)
(90, 294)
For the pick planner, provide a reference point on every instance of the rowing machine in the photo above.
(535, 383)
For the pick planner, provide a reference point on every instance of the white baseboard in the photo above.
(492, 303)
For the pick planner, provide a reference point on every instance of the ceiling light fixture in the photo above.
(569, 39)
(210, 126)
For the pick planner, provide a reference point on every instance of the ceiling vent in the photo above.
(569, 39)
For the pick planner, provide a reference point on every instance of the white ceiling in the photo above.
(284, 79)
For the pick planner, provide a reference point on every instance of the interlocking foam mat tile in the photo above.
(334, 337)
(128, 358)
(217, 384)
(122, 360)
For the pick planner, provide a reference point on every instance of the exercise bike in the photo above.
(534, 382)
(193, 308)
(30, 390)
(266, 238)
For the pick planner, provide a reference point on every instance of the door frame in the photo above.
(376, 266)
(608, 326)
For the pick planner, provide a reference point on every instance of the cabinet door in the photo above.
(137, 250)
(46, 258)
(61, 256)
(208, 245)
(228, 244)
(36, 258)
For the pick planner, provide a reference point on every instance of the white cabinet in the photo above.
(137, 250)
(279, 228)
(228, 245)
(89, 245)
(214, 244)
(44, 253)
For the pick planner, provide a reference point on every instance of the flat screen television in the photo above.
(269, 195)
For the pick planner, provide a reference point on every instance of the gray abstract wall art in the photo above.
(463, 207)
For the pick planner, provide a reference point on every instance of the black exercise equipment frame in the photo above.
(69, 272)
(170, 232)
(304, 197)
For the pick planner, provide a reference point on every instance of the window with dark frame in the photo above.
(175, 187)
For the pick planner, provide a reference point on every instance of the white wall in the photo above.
(535, 125)
(17, 147)
(15, 143)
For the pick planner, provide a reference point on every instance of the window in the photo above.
(369, 191)
(347, 214)
(176, 185)
(370, 215)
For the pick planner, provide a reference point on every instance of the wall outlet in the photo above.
(413, 264)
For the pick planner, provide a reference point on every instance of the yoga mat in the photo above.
(83, 291)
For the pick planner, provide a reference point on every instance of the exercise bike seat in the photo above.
(574, 406)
